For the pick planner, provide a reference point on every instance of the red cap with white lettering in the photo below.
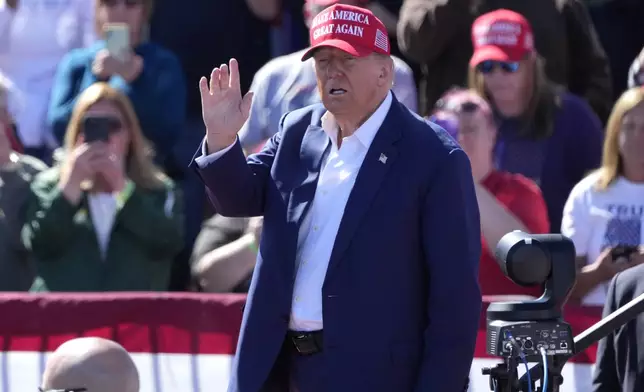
(352, 29)
(501, 35)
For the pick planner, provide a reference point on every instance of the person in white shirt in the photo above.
(604, 215)
(34, 37)
(90, 365)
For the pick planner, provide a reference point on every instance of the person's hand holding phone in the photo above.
(609, 264)
(84, 162)
(637, 257)
(111, 170)
(107, 65)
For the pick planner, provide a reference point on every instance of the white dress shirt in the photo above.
(320, 226)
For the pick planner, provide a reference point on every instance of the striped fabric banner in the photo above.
(180, 342)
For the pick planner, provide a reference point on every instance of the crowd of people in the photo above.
(545, 98)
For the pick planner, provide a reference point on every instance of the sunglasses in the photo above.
(489, 66)
(127, 3)
(64, 390)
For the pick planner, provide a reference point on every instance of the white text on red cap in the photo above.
(498, 27)
(499, 33)
(344, 28)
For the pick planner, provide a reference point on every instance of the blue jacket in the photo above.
(401, 299)
(158, 94)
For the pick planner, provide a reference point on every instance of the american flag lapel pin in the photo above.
(383, 158)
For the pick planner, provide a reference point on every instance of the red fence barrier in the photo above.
(151, 323)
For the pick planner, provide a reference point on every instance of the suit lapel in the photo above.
(381, 156)
(315, 146)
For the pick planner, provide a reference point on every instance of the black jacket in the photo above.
(620, 356)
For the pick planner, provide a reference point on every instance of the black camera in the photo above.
(534, 330)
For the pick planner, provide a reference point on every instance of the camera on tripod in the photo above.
(531, 331)
(534, 330)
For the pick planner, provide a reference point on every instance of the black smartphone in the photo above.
(623, 251)
(97, 128)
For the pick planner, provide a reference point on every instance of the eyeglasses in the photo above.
(127, 3)
(489, 66)
(64, 390)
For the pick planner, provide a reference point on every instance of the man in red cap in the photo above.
(286, 83)
(367, 272)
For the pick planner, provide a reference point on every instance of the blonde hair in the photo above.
(538, 118)
(139, 165)
(612, 165)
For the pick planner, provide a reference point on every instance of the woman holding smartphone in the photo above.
(149, 75)
(604, 214)
(105, 219)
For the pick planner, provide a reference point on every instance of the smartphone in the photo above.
(97, 128)
(623, 251)
(117, 39)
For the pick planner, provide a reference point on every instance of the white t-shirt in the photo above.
(102, 207)
(596, 219)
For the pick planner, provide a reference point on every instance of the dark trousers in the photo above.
(293, 372)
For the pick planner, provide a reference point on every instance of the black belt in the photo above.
(306, 342)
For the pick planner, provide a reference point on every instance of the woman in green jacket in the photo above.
(105, 219)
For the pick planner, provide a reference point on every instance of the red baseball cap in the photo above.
(352, 29)
(501, 35)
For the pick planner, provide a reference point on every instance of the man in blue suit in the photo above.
(367, 273)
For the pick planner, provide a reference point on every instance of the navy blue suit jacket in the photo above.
(401, 299)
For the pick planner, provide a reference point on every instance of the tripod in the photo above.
(504, 376)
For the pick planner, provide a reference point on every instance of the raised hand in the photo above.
(105, 65)
(223, 109)
(83, 160)
(111, 170)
